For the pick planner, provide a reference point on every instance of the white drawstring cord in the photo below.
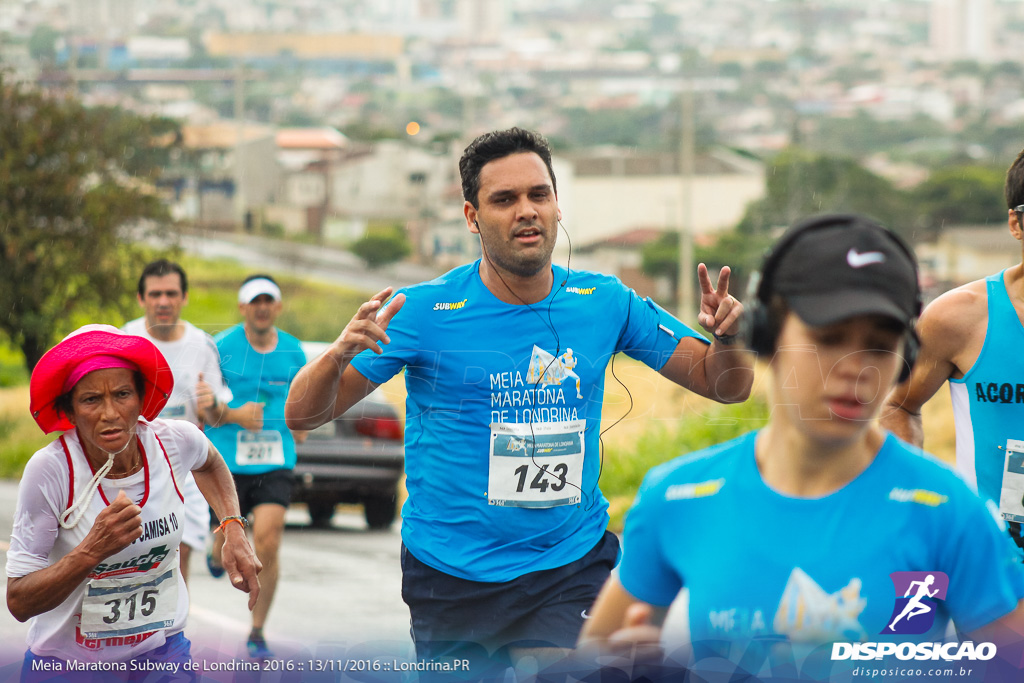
(82, 504)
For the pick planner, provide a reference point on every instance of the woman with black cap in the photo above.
(814, 529)
(93, 563)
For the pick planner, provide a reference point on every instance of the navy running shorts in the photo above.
(454, 618)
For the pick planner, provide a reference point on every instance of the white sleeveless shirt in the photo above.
(135, 598)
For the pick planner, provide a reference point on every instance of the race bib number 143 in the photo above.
(537, 465)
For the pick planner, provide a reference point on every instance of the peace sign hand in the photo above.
(719, 311)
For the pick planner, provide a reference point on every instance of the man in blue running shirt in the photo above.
(504, 530)
(972, 337)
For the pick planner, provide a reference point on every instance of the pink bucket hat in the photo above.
(89, 348)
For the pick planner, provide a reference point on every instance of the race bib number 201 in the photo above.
(259, 448)
(537, 465)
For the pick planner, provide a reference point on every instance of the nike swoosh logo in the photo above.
(858, 260)
(584, 614)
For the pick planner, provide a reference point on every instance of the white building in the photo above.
(963, 29)
(392, 181)
(614, 193)
(102, 18)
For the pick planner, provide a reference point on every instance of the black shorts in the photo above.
(455, 618)
(274, 487)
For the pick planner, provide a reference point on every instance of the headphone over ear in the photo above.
(761, 328)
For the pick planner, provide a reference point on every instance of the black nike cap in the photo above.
(838, 266)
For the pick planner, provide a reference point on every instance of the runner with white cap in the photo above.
(259, 361)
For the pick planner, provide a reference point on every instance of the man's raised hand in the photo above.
(719, 311)
(368, 327)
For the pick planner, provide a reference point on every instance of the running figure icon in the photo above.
(569, 362)
(914, 606)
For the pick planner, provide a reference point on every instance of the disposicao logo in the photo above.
(914, 613)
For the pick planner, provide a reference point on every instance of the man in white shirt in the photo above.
(199, 394)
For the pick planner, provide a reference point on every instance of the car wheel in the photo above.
(380, 511)
(321, 512)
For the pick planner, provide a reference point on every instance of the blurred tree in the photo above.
(961, 194)
(862, 134)
(383, 245)
(802, 183)
(42, 44)
(73, 181)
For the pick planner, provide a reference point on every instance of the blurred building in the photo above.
(963, 253)
(963, 29)
(102, 18)
(483, 20)
(307, 157)
(354, 46)
(614, 191)
(224, 176)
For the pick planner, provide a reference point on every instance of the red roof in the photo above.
(310, 138)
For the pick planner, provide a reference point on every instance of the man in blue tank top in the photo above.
(972, 336)
(504, 534)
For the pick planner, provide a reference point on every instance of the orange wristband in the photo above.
(227, 520)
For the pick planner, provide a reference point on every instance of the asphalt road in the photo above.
(338, 599)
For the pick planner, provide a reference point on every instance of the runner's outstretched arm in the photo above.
(328, 386)
(620, 623)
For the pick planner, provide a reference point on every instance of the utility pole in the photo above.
(239, 111)
(685, 293)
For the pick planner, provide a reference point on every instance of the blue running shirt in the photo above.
(261, 378)
(988, 401)
(759, 564)
(528, 378)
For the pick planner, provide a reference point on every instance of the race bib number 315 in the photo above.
(126, 606)
(537, 465)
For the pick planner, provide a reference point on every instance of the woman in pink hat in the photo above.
(93, 563)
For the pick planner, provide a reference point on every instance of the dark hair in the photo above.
(159, 268)
(64, 406)
(498, 145)
(1014, 188)
(259, 276)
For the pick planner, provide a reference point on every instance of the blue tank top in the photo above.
(988, 402)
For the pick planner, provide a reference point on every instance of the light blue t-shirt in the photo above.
(988, 401)
(475, 367)
(759, 564)
(261, 378)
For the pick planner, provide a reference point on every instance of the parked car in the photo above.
(356, 458)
